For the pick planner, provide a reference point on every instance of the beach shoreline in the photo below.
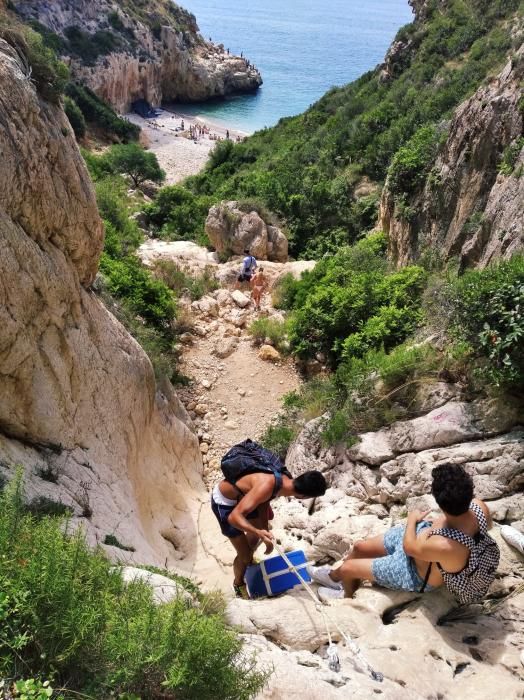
(181, 142)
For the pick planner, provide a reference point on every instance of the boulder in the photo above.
(207, 305)
(268, 353)
(225, 347)
(223, 297)
(454, 422)
(165, 589)
(240, 299)
(232, 229)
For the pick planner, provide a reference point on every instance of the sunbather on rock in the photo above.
(423, 554)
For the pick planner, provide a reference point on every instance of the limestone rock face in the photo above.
(467, 208)
(79, 408)
(197, 260)
(372, 486)
(231, 229)
(158, 53)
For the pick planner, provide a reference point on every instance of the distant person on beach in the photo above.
(422, 555)
(227, 134)
(258, 287)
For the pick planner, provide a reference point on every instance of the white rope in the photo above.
(360, 663)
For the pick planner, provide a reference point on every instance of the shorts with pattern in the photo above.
(397, 570)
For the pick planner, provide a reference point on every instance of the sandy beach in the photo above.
(168, 137)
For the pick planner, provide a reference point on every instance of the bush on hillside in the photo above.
(145, 305)
(76, 118)
(99, 114)
(180, 281)
(66, 615)
(264, 329)
(488, 313)
(89, 47)
(350, 303)
(45, 70)
(147, 297)
(132, 160)
(178, 214)
(411, 163)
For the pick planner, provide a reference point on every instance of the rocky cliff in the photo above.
(471, 203)
(129, 50)
(79, 408)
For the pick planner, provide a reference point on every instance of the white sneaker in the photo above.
(513, 537)
(327, 594)
(320, 574)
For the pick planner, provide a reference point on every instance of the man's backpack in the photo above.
(249, 457)
(471, 584)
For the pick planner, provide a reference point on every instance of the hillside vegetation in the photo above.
(316, 171)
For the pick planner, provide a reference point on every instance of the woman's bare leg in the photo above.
(351, 573)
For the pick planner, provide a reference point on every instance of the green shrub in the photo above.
(149, 298)
(283, 295)
(99, 114)
(143, 304)
(122, 233)
(66, 615)
(47, 506)
(278, 438)
(269, 328)
(510, 156)
(488, 313)
(76, 118)
(178, 214)
(179, 281)
(47, 72)
(113, 541)
(89, 47)
(411, 163)
(131, 159)
(350, 303)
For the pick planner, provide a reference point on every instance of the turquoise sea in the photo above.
(301, 47)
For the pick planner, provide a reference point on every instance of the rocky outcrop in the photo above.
(79, 410)
(470, 207)
(372, 485)
(233, 227)
(151, 51)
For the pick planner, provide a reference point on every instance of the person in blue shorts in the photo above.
(402, 558)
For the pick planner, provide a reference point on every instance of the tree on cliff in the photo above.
(131, 159)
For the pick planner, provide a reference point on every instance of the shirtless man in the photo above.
(258, 287)
(243, 512)
(403, 557)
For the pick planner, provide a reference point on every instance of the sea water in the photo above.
(301, 47)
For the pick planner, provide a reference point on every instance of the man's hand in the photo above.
(417, 515)
(267, 539)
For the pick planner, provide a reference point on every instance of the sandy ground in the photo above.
(178, 154)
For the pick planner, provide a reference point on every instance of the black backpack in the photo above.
(249, 457)
(471, 584)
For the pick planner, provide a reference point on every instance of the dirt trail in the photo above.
(236, 397)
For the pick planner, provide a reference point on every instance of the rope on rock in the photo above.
(359, 661)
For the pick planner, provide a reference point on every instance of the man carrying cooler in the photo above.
(243, 511)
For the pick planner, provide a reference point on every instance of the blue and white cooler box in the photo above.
(272, 576)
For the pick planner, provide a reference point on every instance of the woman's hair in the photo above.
(310, 484)
(452, 488)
